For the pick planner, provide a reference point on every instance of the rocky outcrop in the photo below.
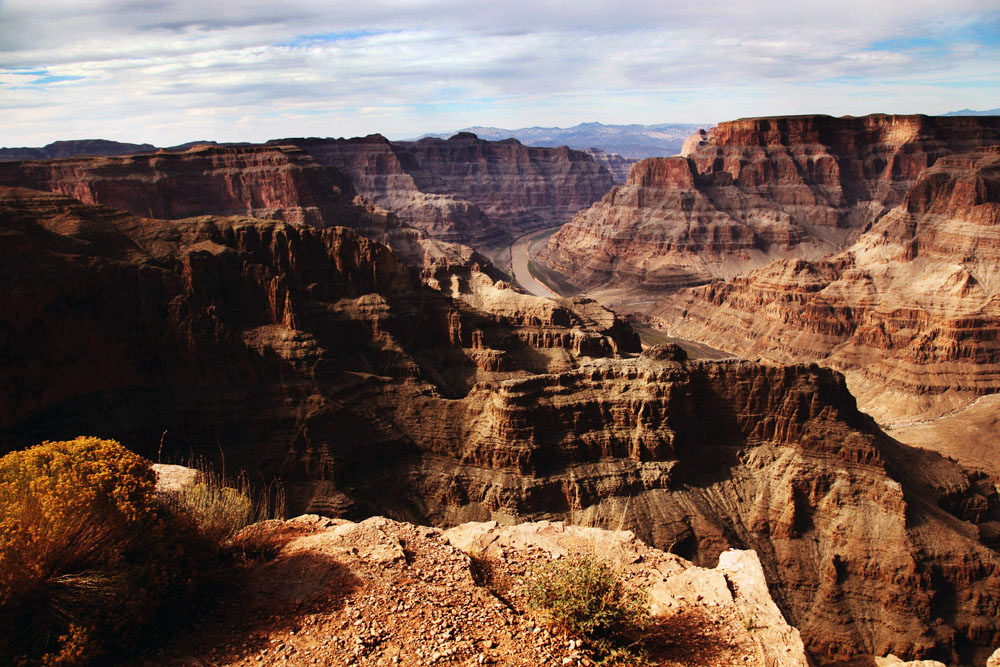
(909, 312)
(753, 190)
(318, 356)
(273, 182)
(464, 189)
(734, 593)
(384, 592)
(376, 167)
(280, 183)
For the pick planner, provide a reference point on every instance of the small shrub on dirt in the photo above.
(586, 597)
(233, 517)
(86, 557)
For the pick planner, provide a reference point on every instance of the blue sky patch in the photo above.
(52, 78)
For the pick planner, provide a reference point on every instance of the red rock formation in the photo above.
(909, 312)
(752, 190)
(274, 182)
(616, 164)
(280, 183)
(466, 189)
(318, 355)
(376, 167)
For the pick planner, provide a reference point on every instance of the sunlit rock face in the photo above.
(465, 189)
(318, 355)
(909, 311)
(753, 190)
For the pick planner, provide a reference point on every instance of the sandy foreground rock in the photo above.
(381, 592)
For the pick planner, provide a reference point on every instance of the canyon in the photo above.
(436, 393)
(439, 194)
(866, 244)
(753, 190)
(465, 189)
(908, 312)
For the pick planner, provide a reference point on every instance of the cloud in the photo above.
(167, 72)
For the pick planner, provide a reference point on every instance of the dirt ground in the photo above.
(387, 593)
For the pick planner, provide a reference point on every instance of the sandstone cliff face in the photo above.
(376, 167)
(273, 182)
(753, 190)
(909, 312)
(317, 355)
(616, 164)
(465, 189)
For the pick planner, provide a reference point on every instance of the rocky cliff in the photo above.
(381, 171)
(909, 312)
(465, 189)
(616, 164)
(274, 182)
(753, 190)
(318, 356)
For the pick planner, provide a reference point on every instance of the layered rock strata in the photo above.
(910, 312)
(753, 190)
(616, 164)
(274, 182)
(318, 356)
(465, 189)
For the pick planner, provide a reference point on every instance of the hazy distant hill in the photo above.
(970, 112)
(96, 147)
(75, 148)
(631, 141)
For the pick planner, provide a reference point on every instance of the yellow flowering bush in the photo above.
(85, 553)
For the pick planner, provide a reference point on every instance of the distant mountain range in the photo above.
(970, 112)
(94, 148)
(74, 148)
(631, 141)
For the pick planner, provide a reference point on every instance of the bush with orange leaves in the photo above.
(87, 556)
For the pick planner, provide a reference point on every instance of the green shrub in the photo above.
(586, 597)
(86, 557)
(229, 516)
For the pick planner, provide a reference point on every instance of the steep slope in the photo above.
(465, 189)
(910, 312)
(376, 167)
(275, 182)
(317, 355)
(752, 190)
(616, 164)
(521, 187)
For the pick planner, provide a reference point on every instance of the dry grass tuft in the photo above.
(230, 515)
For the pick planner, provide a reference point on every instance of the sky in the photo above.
(169, 72)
